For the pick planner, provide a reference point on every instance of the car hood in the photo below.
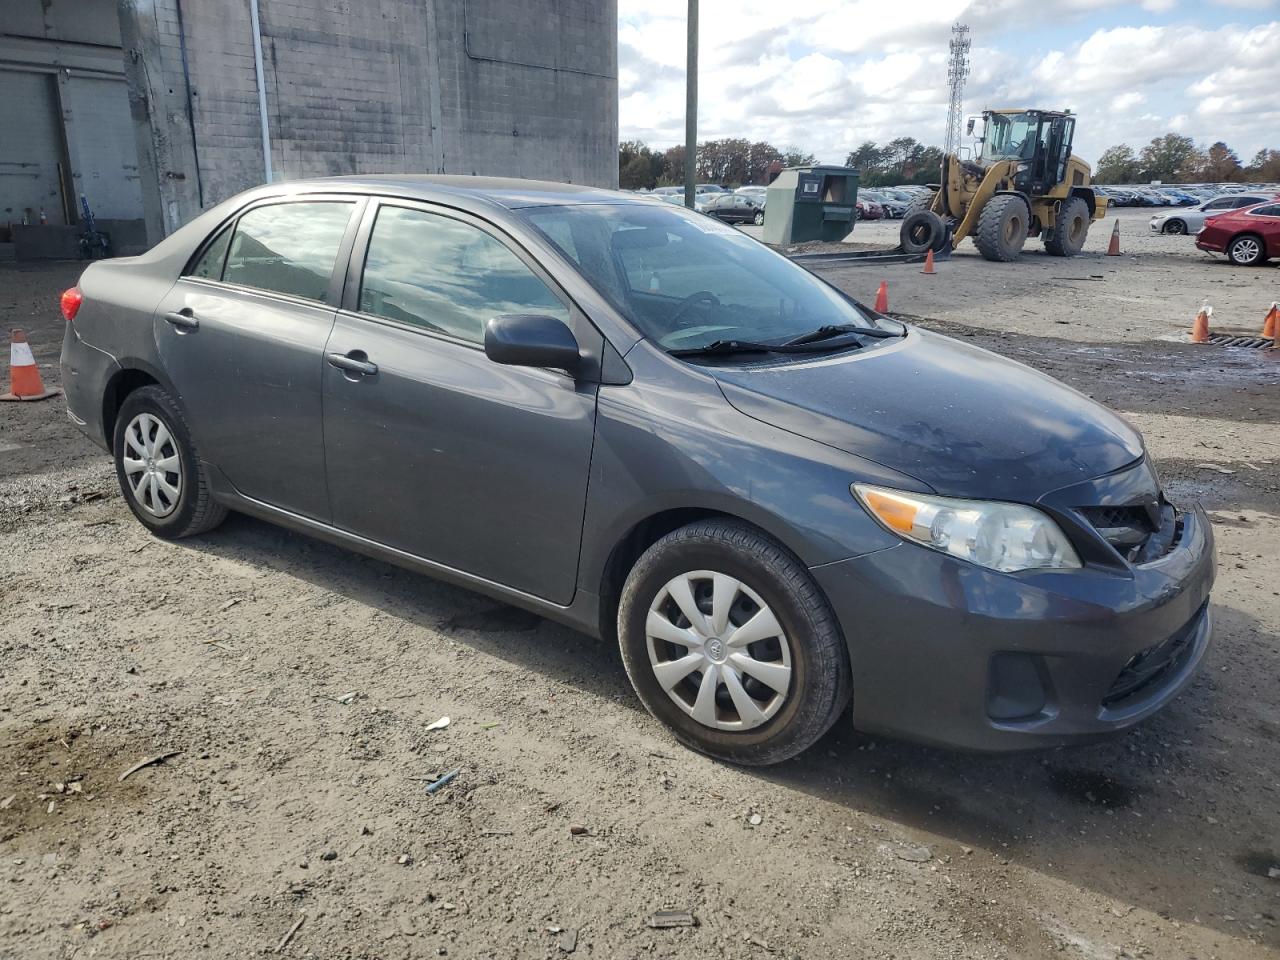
(960, 419)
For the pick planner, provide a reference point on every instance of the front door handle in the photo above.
(353, 361)
(183, 320)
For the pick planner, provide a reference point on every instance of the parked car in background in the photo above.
(644, 424)
(868, 209)
(1190, 221)
(1248, 236)
(735, 208)
(894, 209)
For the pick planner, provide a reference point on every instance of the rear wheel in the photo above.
(1175, 226)
(1247, 250)
(159, 469)
(1002, 228)
(758, 219)
(1066, 237)
(729, 642)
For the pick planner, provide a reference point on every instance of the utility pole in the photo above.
(691, 109)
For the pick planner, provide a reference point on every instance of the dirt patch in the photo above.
(59, 782)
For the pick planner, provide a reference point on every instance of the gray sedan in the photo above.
(1191, 219)
(638, 421)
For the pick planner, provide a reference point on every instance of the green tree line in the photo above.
(733, 161)
(1174, 158)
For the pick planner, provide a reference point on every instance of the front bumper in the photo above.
(949, 653)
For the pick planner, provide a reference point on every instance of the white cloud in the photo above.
(828, 74)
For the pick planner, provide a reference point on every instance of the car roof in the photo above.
(508, 192)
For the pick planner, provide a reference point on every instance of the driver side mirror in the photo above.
(968, 130)
(532, 340)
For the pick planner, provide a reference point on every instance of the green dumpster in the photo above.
(811, 203)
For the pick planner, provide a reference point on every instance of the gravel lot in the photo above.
(295, 683)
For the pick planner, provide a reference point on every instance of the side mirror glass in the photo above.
(531, 340)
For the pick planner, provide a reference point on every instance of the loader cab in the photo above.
(1039, 140)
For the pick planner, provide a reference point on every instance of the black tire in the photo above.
(195, 510)
(1247, 250)
(1002, 228)
(1174, 226)
(820, 682)
(758, 219)
(922, 230)
(1067, 236)
(922, 202)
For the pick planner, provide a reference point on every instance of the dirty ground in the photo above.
(295, 684)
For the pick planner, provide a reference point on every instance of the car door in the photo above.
(432, 448)
(241, 336)
(1268, 225)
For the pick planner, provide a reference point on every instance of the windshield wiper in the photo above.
(841, 329)
(725, 347)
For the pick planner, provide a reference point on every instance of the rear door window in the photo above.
(444, 275)
(1270, 210)
(288, 248)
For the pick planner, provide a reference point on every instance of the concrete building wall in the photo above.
(506, 87)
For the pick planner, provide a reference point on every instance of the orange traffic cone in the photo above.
(1200, 329)
(1269, 325)
(928, 262)
(24, 375)
(882, 297)
(1113, 248)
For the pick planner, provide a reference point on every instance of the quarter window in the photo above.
(209, 266)
(288, 248)
(444, 275)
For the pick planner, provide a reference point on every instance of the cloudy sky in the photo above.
(826, 75)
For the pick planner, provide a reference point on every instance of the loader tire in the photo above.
(922, 230)
(1002, 228)
(1066, 237)
(922, 202)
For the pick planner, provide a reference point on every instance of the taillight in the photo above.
(71, 300)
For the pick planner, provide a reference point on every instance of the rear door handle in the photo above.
(185, 321)
(353, 362)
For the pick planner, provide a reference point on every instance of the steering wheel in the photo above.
(700, 296)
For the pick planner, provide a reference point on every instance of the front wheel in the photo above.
(729, 642)
(1002, 228)
(758, 219)
(159, 469)
(1247, 250)
(1175, 226)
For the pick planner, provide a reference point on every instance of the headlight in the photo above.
(1022, 168)
(1002, 536)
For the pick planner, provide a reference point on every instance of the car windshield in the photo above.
(686, 280)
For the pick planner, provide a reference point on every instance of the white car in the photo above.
(1190, 220)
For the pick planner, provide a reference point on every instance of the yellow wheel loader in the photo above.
(1022, 182)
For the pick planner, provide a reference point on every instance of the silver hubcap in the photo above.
(1246, 249)
(152, 466)
(718, 650)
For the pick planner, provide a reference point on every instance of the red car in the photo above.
(1249, 236)
(869, 210)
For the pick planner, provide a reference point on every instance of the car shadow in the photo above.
(1164, 818)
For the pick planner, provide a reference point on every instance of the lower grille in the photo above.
(1146, 669)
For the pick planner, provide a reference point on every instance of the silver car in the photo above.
(1191, 220)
